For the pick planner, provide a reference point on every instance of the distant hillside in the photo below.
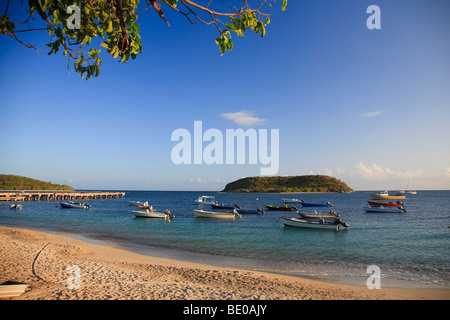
(311, 183)
(11, 182)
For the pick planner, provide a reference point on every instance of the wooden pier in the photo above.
(57, 195)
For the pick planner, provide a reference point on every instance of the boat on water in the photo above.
(250, 211)
(16, 206)
(75, 205)
(318, 215)
(167, 215)
(385, 204)
(381, 209)
(314, 224)
(222, 206)
(384, 195)
(291, 200)
(307, 204)
(217, 215)
(280, 208)
(205, 200)
(138, 203)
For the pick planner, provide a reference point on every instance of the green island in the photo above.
(12, 182)
(308, 183)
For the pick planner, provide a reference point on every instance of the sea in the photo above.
(411, 250)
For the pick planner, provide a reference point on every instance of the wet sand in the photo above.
(41, 260)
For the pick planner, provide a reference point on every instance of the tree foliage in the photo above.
(114, 23)
(309, 183)
(13, 182)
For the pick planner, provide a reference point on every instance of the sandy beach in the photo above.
(41, 260)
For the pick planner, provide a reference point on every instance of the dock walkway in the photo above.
(58, 195)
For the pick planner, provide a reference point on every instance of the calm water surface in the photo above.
(413, 246)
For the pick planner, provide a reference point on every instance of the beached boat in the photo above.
(381, 209)
(317, 215)
(384, 195)
(385, 204)
(307, 204)
(313, 223)
(280, 208)
(217, 215)
(73, 205)
(12, 290)
(205, 200)
(138, 203)
(222, 206)
(167, 215)
(245, 211)
(16, 206)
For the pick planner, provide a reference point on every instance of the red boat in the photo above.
(385, 204)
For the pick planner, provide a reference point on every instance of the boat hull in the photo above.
(390, 204)
(277, 208)
(215, 215)
(244, 211)
(154, 214)
(309, 224)
(305, 204)
(376, 209)
(381, 197)
(74, 205)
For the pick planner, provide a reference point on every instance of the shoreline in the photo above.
(40, 259)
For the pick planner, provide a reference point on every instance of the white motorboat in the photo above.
(313, 223)
(217, 215)
(285, 200)
(16, 206)
(167, 215)
(381, 209)
(138, 203)
(205, 200)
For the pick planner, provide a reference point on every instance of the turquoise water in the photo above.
(413, 246)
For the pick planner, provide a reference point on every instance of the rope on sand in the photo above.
(34, 261)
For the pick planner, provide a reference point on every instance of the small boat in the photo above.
(384, 204)
(73, 205)
(217, 215)
(222, 206)
(313, 223)
(12, 290)
(166, 215)
(317, 215)
(138, 203)
(205, 200)
(280, 208)
(291, 200)
(244, 211)
(384, 195)
(306, 204)
(16, 206)
(381, 209)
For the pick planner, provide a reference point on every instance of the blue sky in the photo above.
(370, 107)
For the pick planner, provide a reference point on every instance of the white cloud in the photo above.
(447, 172)
(197, 180)
(244, 118)
(378, 172)
(371, 114)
